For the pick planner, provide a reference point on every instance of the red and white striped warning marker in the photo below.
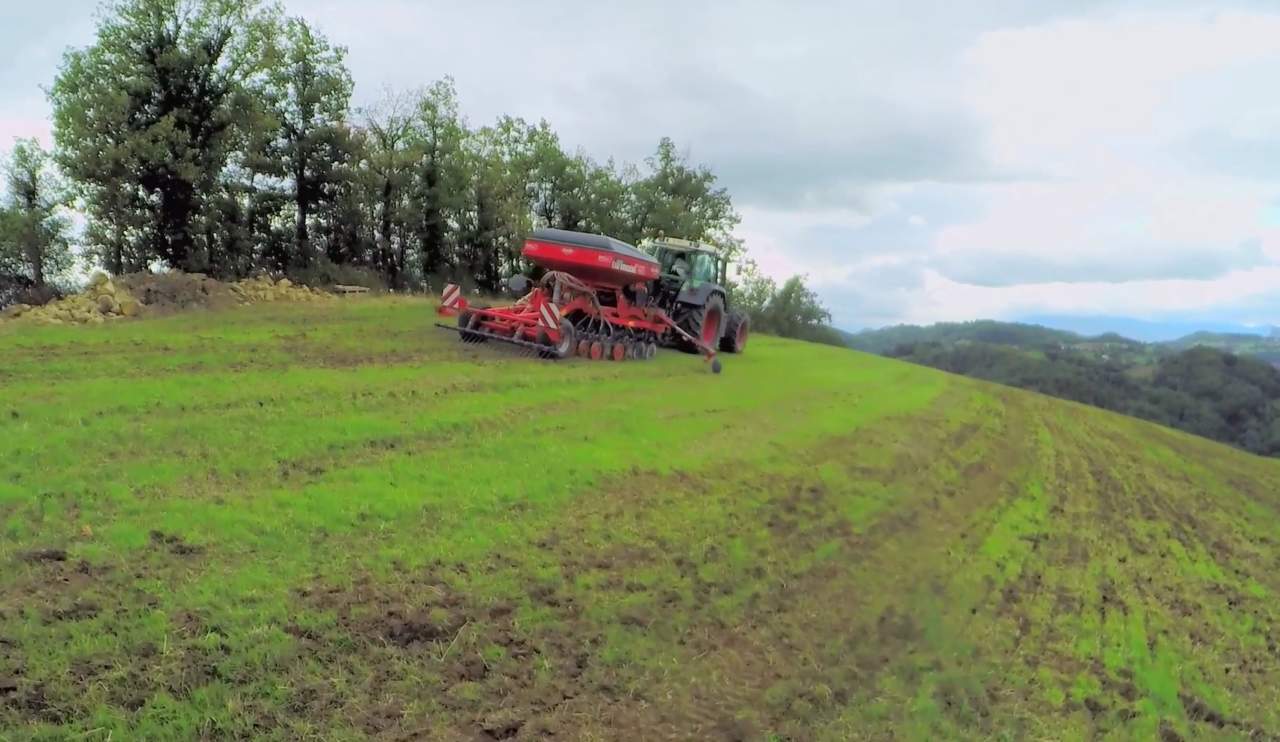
(550, 316)
(452, 293)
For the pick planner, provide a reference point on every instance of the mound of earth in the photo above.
(137, 293)
(177, 290)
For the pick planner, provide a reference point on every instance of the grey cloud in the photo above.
(906, 228)
(1125, 263)
(874, 294)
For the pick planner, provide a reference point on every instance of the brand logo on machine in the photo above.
(619, 265)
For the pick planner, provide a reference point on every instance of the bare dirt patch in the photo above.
(491, 677)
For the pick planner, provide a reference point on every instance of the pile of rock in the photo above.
(130, 295)
(103, 300)
(263, 288)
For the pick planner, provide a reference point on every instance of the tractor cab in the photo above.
(691, 286)
(685, 265)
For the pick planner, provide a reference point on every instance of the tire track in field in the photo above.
(1093, 613)
(812, 635)
(610, 538)
(216, 564)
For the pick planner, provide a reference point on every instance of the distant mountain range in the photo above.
(1089, 335)
(1144, 330)
(1221, 385)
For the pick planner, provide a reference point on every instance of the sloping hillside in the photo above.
(333, 521)
(1203, 391)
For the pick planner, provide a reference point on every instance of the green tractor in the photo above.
(691, 288)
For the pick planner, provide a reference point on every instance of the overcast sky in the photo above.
(920, 161)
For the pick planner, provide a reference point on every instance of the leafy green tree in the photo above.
(345, 218)
(387, 177)
(752, 291)
(308, 89)
(604, 199)
(557, 181)
(439, 172)
(34, 232)
(498, 216)
(146, 118)
(795, 311)
(573, 191)
(10, 261)
(679, 200)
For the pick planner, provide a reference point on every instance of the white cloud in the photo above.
(944, 299)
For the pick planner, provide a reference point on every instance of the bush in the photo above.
(20, 290)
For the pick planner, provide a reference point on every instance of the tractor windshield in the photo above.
(694, 266)
(703, 268)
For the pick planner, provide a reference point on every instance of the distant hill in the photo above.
(1262, 347)
(1199, 384)
(1144, 330)
(982, 331)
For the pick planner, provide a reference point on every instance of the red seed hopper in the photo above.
(592, 258)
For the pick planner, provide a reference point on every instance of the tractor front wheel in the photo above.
(705, 323)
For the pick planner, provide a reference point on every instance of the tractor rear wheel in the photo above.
(735, 333)
(705, 323)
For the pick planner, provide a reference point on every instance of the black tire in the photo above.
(567, 345)
(736, 331)
(706, 323)
(466, 321)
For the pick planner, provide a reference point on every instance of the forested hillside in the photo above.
(1204, 391)
(1262, 347)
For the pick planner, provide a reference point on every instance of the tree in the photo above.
(146, 118)
(439, 172)
(498, 216)
(604, 199)
(33, 236)
(10, 254)
(679, 200)
(752, 292)
(557, 181)
(309, 92)
(387, 176)
(795, 310)
(573, 191)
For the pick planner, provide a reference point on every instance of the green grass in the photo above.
(336, 522)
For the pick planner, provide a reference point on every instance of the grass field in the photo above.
(336, 522)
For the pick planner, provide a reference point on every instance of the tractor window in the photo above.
(667, 261)
(704, 268)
